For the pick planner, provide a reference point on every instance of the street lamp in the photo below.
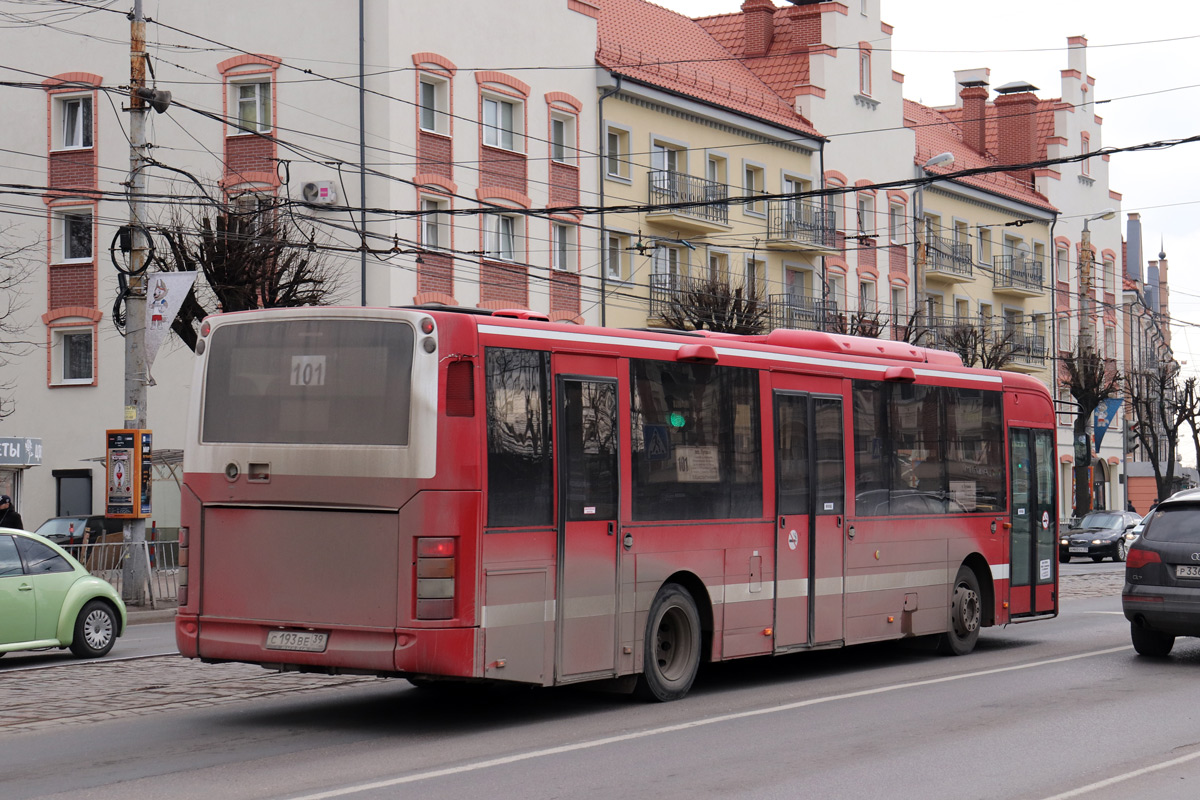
(940, 160)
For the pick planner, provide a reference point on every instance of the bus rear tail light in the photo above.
(435, 577)
(1138, 558)
(183, 564)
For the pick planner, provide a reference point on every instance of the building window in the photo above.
(72, 356)
(896, 223)
(562, 138)
(864, 72)
(563, 244)
(435, 105)
(754, 183)
(837, 204)
(718, 266)
(665, 261)
(1085, 147)
(617, 256)
(501, 123)
(1110, 343)
(74, 234)
(837, 290)
(76, 122)
(985, 246)
(899, 303)
(1109, 276)
(866, 214)
(499, 236)
(253, 99)
(616, 153)
(715, 169)
(434, 235)
(666, 158)
(866, 297)
(756, 279)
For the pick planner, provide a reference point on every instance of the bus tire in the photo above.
(671, 648)
(966, 615)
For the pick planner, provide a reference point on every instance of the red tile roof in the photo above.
(937, 131)
(782, 68)
(651, 44)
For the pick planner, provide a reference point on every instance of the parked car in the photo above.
(73, 530)
(1099, 535)
(48, 599)
(1161, 598)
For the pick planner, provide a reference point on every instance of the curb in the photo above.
(140, 616)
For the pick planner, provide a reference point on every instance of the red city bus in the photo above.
(444, 495)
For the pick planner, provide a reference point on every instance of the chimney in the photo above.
(1017, 125)
(803, 26)
(974, 117)
(1133, 247)
(760, 26)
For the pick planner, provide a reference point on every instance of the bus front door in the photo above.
(588, 481)
(1033, 549)
(809, 516)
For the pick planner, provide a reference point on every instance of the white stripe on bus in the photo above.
(880, 581)
(651, 344)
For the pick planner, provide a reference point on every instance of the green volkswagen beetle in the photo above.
(48, 599)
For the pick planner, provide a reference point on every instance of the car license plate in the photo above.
(1187, 571)
(304, 641)
(1079, 549)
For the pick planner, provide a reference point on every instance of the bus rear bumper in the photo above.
(426, 651)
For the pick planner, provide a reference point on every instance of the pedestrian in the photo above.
(9, 518)
(1154, 505)
(1129, 506)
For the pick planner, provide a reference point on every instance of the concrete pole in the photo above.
(136, 569)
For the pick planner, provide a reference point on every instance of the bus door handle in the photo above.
(612, 527)
(850, 532)
(627, 541)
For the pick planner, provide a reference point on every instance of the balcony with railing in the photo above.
(697, 204)
(947, 260)
(800, 225)
(1031, 350)
(1018, 275)
(802, 312)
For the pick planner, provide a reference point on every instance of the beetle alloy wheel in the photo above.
(98, 629)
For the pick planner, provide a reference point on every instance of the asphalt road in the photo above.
(1044, 710)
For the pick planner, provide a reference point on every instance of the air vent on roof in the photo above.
(1016, 86)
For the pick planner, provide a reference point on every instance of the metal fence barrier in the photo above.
(107, 560)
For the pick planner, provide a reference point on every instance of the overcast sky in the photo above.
(1143, 59)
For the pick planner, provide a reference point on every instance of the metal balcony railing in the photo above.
(800, 222)
(801, 312)
(1018, 272)
(948, 257)
(710, 198)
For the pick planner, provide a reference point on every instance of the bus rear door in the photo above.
(588, 480)
(810, 480)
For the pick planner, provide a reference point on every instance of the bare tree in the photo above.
(1160, 408)
(856, 323)
(1091, 380)
(15, 269)
(249, 259)
(717, 305)
(978, 346)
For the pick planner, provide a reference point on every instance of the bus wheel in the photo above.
(966, 612)
(671, 650)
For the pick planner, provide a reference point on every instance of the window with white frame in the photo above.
(799, 285)
(1085, 147)
(985, 245)
(667, 158)
(666, 261)
(1110, 343)
(718, 266)
(837, 290)
(616, 153)
(434, 231)
(74, 239)
(864, 72)
(76, 113)
(1109, 276)
(1064, 334)
(562, 242)
(866, 214)
(756, 278)
(754, 184)
(501, 123)
(500, 236)
(899, 303)
(962, 311)
(562, 138)
(866, 297)
(896, 223)
(434, 104)
(71, 356)
(715, 169)
(837, 204)
(1062, 264)
(617, 256)
(252, 101)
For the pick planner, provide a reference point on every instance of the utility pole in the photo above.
(136, 569)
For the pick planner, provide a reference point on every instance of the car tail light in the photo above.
(435, 577)
(1138, 557)
(183, 564)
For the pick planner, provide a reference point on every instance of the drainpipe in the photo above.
(824, 266)
(362, 145)
(602, 142)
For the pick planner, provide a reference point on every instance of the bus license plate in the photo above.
(1079, 549)
(304, 641)
(1187, 571)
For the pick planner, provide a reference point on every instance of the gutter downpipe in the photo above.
(362, 146)
(602, 142)
(824, 205)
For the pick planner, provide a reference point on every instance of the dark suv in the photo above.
(1161, 598)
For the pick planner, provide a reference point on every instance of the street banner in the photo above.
(1106, 414)
(165, 293)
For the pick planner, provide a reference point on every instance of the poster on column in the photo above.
(165, 293)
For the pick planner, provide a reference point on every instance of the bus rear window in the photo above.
(328, 381)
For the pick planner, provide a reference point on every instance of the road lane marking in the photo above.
(683, 726)
(1137, 773)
